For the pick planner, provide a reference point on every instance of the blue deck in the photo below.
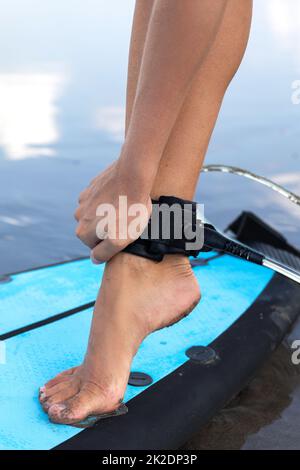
(229, 287)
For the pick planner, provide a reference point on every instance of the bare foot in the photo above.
(137, 296)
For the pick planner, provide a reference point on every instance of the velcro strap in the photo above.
(171, 229)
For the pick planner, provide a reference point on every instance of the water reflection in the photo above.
(284, 17)
(28, 114)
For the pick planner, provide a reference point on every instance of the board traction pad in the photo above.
(229, 287)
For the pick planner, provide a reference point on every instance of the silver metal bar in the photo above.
(267, 262)
(252, 176)
(284, 270)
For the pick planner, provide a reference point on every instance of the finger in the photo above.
(105, 250)
(78, 214)
(87, 235)
(83, 195)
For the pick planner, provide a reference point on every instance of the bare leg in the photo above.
(141, 19)
(138, 296)
(186, 148)
(178, 37)
(177, 41)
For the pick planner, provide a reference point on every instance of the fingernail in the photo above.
(95, 261)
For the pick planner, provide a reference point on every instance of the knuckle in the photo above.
(82, 196)
(86, 219)
(77, 214)
(97, 256)
(80, 232)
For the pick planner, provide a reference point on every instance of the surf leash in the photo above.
(176, 227)
(217, 241)
(291, 196)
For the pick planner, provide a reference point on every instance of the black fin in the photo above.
(249, 229)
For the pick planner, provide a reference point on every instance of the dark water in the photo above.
(62, 93)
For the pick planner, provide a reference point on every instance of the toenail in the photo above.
(47, 406)
(42, 395)
(57, 408)
(42, 389)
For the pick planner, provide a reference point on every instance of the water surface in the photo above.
(62, 94)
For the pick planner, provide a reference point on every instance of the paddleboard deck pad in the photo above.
(181, 375)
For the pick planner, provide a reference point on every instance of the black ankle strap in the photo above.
(188, 235)
(175, 228)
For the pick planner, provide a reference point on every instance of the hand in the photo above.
(109, 232)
